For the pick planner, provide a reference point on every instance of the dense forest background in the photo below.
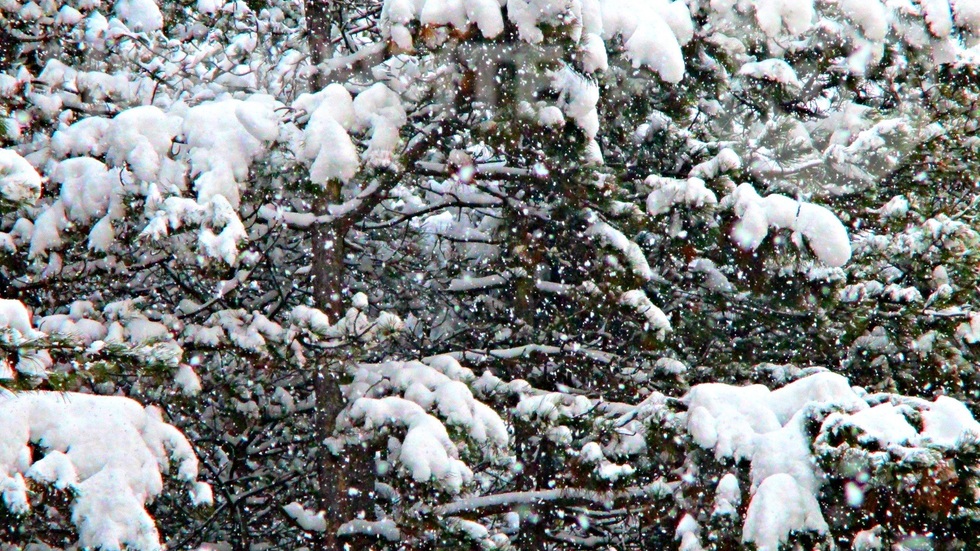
(516, 274)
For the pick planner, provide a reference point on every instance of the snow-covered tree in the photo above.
(517, 274)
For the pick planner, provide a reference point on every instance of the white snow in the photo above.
(429, 397)
(657, 321)
(307, 520)
(140, 15)
(578, 99)
(379, 109)
(967, 14)
(768, 428)
(772, 70)
(652, 32)
(86, 187)
(139, 138)
(325, 139)
(668, 192)
(870, 15)
(946, 421)
(938, 16)
(386, 528)
(824, 232)
(649, 39)
(222, 138)
(779, 17)
(19, 182)
(728, 496)
(779, 506)
(188, 380)
(426, 453)
(970, 331)
(616, 239)
(111, 450)
(15, 317)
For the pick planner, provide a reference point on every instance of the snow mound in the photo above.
(824, 232)
(668, 192)
(772, 70)
(424, 399)
(19, 182)
(610, 236)
(110, 450)
(16, 330)
(652, 32)
(657, 321)
(768, 428)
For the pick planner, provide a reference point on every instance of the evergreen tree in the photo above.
(528, 274)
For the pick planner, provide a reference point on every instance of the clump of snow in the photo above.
(15, 317)
(668, 192)
(188, 380)
(870, 15)
(657, 321)
(616, 239)
(424, 399)
(728, 496)
(652, 33)
(780, 505)
(73, 326)
(591, 453)
(307, 520)
(772, 70)
(379, 109)
(970, 331)
(868, 540)
(725, 161)
(426, 452)
(386, 528)
(140, 15)
(325, 140)
(222, 138)
(86, 187)
(938, 16)
(110, 450)
(19, 182)
(947, 421)
(824, 232)
(139, 138)
(16, 330)
(768, 428)
(778, 17)
(551, 116)
(578, 99)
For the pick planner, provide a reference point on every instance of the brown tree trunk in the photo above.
(345, 479)
(318, 24)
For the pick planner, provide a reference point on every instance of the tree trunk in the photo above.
(318, 23)
(344, 478)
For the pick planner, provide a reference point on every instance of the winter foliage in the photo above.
(480, 274)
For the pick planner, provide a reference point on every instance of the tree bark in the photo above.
(345, 479)
(318, 24)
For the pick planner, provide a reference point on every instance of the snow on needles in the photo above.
(824, 232)
(333, 113)
(19, 182)
(424, 399)
(768, 428)
(109, 449)
(652, 32)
